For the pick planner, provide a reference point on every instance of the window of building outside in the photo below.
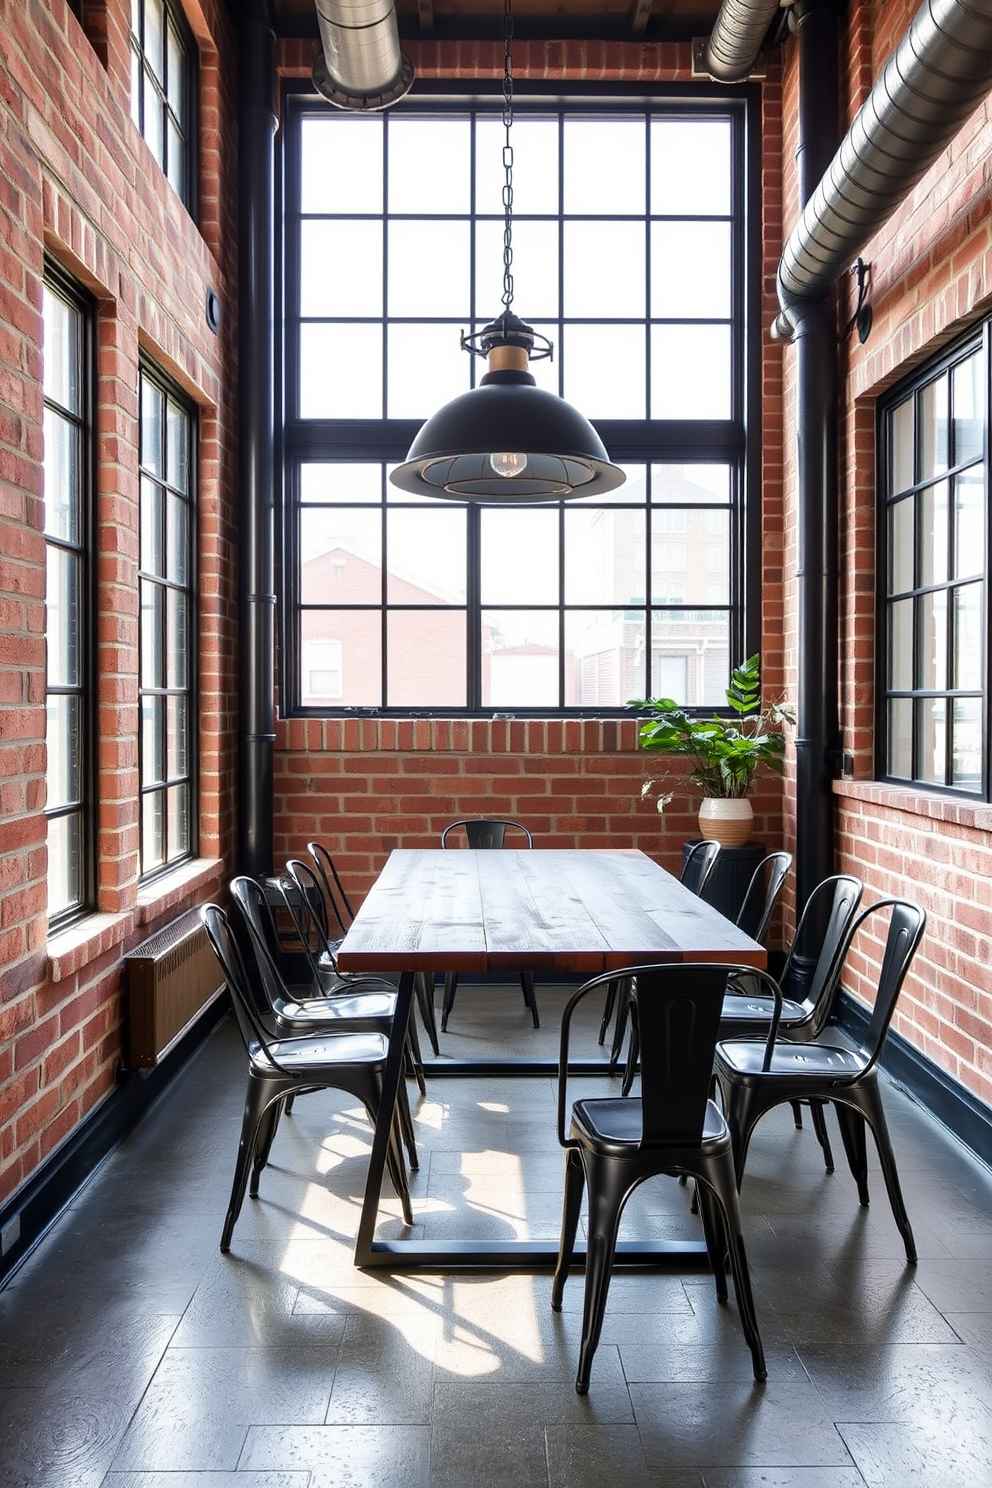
(70, 806)
(933, 556)
(163, 88)
(167, 634)
(629, 254)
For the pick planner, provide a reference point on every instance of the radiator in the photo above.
(171, 979)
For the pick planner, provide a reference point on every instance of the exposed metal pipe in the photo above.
(934, 79)
(360, 66)
(736, 38)
(256, 292)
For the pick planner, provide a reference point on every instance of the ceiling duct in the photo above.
(360, 66)
(935, 78)
(736, 39)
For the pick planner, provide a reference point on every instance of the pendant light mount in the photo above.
(507, 440)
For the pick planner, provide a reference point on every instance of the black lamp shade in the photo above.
(507, 412)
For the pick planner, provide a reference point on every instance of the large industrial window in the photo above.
(630, 255)
(71, 809)
(168, 619)
(163, 88)
(934, 556)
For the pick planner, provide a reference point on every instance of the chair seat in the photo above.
(759, 1010)
(344, 1006)
(308, 1056)
(613, 1126)
(817, 1061)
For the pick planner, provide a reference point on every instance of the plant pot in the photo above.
(728, 822)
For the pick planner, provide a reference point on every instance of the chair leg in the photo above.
(852, 1132)
(530, 998)
(818, 1117)
(606, 1180)
(714, 1234)
(575, 1179)
(797, 1114)
(608, 1006)
(415, 1057)
(633, 1051)
(450, 988)
(620, 1027)
(722, 1186)
(259, 1095)
(424, 986)
(405, 1118)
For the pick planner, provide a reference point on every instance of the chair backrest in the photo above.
(308, 913)
(700, 861)
(820, 942)
(236, 974)
(333, 887)
(763, 892)
(258, 943)
(906, 925)
(678, 1008)
(484, 833)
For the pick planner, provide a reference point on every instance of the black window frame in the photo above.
(977, 341)
(144, 76)
(161, 785)
(85, 807)
(630, 442)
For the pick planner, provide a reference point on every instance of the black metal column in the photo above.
(818, 709)
(256, 311)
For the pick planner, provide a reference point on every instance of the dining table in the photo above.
(563, 913)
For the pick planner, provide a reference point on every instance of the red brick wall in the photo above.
(77, 181)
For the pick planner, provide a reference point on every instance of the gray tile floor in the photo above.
(134, 1355)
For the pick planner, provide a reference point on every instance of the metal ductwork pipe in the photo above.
(361, 66)
(738, 32)
(935, 78)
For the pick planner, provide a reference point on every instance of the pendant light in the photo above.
(507, 440)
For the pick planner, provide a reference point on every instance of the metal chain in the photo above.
(507, 158)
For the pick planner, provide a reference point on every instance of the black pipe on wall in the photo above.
(256, 321)
(818, 709)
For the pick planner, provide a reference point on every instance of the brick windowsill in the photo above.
(933, 807)
(175, 889)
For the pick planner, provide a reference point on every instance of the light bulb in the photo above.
(508, 464)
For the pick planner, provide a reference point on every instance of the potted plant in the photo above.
(726, 753)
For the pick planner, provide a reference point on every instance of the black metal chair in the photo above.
(762, 895)
(698, 867)
(352, 1005)
(282, 1067)
(754, 1075)
(334, 891)
(483, 833)
(614, 1144)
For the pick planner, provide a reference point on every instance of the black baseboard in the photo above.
(36, 1206)
(945, 1098)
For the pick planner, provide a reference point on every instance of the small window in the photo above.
(163, 88)
(933, 563)
(71, 812)
(168, 626)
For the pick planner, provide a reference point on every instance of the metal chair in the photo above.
(614, 1144)
(699, 866)
(485, 833)
(754, 1075)
(762, 895)
(281, 1067)
(334, 891)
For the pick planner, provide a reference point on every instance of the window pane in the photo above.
(152, 427)
(690, 270)
(684, 484)
(933, 428)
(340, 268)
(604, 269)
(966, 762)
(152, 634)
(152, 831)
(177, 74)
(520, 658)
(340, 371)
(931, 746)
(519, 556)
(327, 482)
(178, 821)
(604, 370)
(969, 522)
(698, 643)
(177, 447)
(62, 351)
(178, 540)
(902, 530)
(342, 557)
(429, 165)
(428, 271)
(341, 165)
(535, 268)
(63, 477)
(64, 863)
(604, 166)
(604, 657)
(901, 645)
(902, 437)
(177, 611)
(154, 37)
(426, 557)
(152, 739)
(901, 738)
(967, 400)
(176, 159)
(535, 167)
(427, 368)
(153, 123)
(690, 167)
(64, 741)
(933, 534)
(968, 631)
(601, 557)
(62, 600)
(932, 611)
(177, 755)
(152, 527)
(358, 633)
(427, 650)
(690, 372)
